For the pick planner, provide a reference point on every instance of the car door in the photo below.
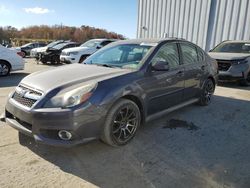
(195, 66)
(165, 88)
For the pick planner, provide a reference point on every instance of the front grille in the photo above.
(224, 65)
(26, 98)
(31, 91)
(64, 53)
(22, 100)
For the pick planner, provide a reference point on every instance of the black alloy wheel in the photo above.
(207, 92)
(122, 123)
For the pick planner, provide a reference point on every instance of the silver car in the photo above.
(233, 59)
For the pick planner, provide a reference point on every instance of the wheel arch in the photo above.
(138, 102)
(2, 60)
(212, 78)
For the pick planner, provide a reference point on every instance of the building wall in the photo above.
(204, 22)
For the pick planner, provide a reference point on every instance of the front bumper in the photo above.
(68, 59)
(228, 76)
(43, 125)
(234, 73)
(45, 57)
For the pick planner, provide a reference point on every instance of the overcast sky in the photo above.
(114, 15)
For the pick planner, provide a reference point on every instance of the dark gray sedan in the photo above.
(115, 91)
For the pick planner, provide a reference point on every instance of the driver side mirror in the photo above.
(161, 66)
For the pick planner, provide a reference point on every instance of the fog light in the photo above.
(64, 135)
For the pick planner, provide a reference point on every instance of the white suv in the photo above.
(79, 54)
(10, 61)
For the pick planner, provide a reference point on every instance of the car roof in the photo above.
(153, 41)
(236, 41)
(103, 39)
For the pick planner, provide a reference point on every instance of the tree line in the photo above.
(56, 32)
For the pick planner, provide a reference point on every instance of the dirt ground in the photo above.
(192, 147)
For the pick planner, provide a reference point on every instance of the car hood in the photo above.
(69, 75)
(76, 49)
(228, 56)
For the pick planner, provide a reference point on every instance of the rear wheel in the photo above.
(121, 123)
(23, 54)
(4, 68)
(207, 92)
(246, 81)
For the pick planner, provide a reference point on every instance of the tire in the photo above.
(55, 60)
(4, 68)
(44, 62)
(82, 58)
(246, 82)
(121, 124)
(24, 54)
(207, 92)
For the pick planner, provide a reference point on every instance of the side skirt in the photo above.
(171, 109)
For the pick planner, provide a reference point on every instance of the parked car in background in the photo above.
(28, 47)
(112, 93)
(233, 59)
(36, 51)
(52, 54)
(10, 61)
(79, 54)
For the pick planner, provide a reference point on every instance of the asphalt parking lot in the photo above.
(192, 147)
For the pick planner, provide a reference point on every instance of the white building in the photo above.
(204, 22)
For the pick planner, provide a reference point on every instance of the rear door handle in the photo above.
(203, 67)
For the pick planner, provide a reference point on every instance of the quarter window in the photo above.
(167, 53)
(189, 54)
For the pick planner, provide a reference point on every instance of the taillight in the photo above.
(20, 54)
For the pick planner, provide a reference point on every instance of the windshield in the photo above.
(123, 56)
(26, 45)
(234, 47)
(91, 43)
(53, 43)
(60, 46)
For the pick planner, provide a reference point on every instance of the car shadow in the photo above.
(12, 80)
(233, 85)
(213, 154)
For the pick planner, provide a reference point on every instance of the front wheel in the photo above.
(55, 60)
(246, 81)
(121, 123)
(207, 92)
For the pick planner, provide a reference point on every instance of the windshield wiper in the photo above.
(106, 65)
(103, 65)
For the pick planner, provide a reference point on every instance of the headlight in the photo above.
(71, 97)
(73, 53)
(239, 62)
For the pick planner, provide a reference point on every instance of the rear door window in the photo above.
(189, 53)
